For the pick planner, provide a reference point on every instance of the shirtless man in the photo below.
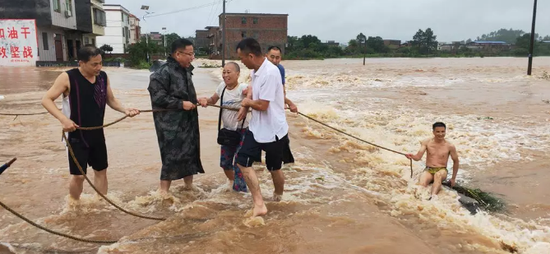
(436, 161)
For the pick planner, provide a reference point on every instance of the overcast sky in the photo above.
(451, 20)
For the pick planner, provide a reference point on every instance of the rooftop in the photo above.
(115, 7)
(490, 42)
(254, 14)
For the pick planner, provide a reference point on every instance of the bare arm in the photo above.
(209, 101)
(293, 108)
(260, 105)
(60, 86)
(418, 156)
(454, 156)
(244, 109)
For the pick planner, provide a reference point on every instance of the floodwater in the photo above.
(341, 196)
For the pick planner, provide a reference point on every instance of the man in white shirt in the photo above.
(268, 129)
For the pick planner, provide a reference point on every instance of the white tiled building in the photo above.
(117, 32)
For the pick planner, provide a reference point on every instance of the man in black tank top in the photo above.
(86, 91)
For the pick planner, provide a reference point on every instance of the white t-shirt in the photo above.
(267, 85)
(232, 98)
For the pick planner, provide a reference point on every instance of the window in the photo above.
(56, 6)
(45, 40)
(256, 35)
(86, 40)
(69, 8)
(123, 32)
(243, 20)
(255, 21)
(243, 34)
(93, 42)
(99, 17)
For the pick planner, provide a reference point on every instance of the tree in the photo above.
(106, 48)
(362, 41)
(425, 41)
(377, 44)
(507, 35)
(137, 52)
(170, 38)
(310, 41)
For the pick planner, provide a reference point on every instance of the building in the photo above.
(392, 44)
(214, 40)
(268, 29)
(209, 40)
(62, 26)
(117, 31)
(201, 40)
(90, 20)
(156, 37)
(135, 29)
(489, 46)
(332, 43)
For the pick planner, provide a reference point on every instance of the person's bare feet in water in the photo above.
(277, 197)
(259, 211)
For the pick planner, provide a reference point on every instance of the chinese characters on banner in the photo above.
(18, 42)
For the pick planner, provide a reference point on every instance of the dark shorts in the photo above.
(251, 151)
(228, 154)
(95, 156)
(287, 154)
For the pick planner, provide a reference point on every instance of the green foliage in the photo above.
(142, 65)
(507, 35)
(425, 42)
(106, 48)
(137, 52)
(169, 39)
(486, 200)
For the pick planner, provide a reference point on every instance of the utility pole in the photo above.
(146, 8)
(164, 43)
(223, 35)
(532, 46)
(364, 53)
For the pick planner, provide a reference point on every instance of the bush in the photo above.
(142, 65)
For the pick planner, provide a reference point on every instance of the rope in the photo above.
(23, 114)
(355, 137)
(54, 232)
(71, 152)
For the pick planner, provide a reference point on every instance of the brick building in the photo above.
(201, 40)
(392, 44)
(268, 29)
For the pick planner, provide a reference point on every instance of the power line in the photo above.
(186, 9)
(210, 14)
(215, 16)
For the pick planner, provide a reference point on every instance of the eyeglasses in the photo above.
(186, 53)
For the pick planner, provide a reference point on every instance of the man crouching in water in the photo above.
(436, 161)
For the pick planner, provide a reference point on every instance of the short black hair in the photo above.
(237, 67)
(180, 44)
(438, 124)
(275, 48)
(85, 53)
(250, 45)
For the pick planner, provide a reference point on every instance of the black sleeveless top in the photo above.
(87, 103)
